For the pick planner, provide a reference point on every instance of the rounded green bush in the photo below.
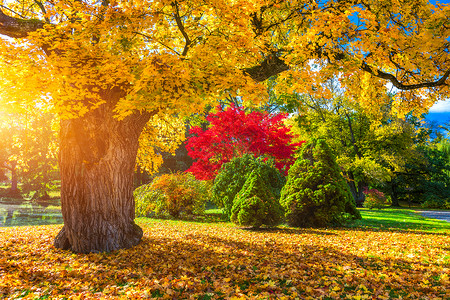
(316, 194)
(255, 204)
(233, 174)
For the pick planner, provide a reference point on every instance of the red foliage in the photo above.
(232, 133)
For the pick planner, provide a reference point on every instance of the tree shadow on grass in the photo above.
(203, 218)
(288, 230)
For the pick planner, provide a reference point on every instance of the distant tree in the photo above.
(3, 176)
(444, 147)
(426, 180)
(39, 155)
(316, 193)
(10, 152)
(370, 146)
(28, 150)
(233, 132)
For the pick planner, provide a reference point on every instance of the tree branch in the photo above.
(182, 29)
(406, 87)
(42, 8)
(18, 28)
(271, 66)
(352, 136)
(105, 4)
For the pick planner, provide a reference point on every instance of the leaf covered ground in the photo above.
(188, 260)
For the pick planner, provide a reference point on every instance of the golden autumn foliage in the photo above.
(161, 134)
(180, 260)
(166, 55)
(175, 56)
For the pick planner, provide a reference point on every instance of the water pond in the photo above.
(14, 212)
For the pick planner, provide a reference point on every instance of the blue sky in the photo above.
(441, 107)
(441, 1)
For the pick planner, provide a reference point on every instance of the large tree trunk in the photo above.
(97, 159)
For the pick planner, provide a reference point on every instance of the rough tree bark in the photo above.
(97, 160)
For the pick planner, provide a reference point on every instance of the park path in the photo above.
(436, 214)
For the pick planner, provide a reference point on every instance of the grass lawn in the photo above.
(392, 254)
(399, 219)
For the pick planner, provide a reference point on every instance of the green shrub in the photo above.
(316, 193)
(255, 204)
(172, 194)
(148, 201)
(233, 174)
(374, 199)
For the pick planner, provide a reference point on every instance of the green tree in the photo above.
(444, 147)
(426, 180)
(315, 193)
(370, 147)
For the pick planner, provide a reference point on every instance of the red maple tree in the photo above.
(233, 132)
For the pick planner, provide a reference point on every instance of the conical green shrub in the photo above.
(316, 194)
(234, 174)
(255, 204)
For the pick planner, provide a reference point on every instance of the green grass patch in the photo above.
(399, 219)
(210, 216)
(393, 219)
